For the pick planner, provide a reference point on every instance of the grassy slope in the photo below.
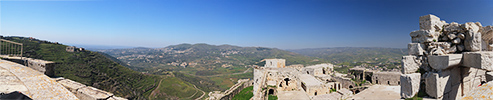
(95, 69)
(244, 94)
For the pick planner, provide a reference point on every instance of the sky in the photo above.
(284, 24)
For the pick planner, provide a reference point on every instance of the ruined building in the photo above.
(296, 82)
(447, 60)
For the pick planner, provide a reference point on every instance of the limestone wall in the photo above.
(386, 78)
(275, 63)
(345, 82)
(84, 92)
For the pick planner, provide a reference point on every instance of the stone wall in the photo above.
(231, 92)
(449, 58)
(386, 78)
(46, 67)
(361, 73)
(275, 63)
(84, 92)
(345, 82)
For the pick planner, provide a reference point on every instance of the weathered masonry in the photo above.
(310, 82)
(450, 59)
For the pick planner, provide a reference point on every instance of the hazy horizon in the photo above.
(283, 24)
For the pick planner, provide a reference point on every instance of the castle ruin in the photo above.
(447, 60)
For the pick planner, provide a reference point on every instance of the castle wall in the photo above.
(386, 78)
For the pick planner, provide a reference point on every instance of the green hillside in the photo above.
(95, 69)
(355, 56)
(209, 67)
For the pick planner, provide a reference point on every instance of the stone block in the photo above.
(471, 84)
(471, 26)
(487, 34)
(435, 85)
(91, 93)
(452, 76)
(416, 48)
(424, 36)
(489, 76)
(430, 22)
(441, 62)
(454, 93)
(410, 84)
(410, 64)
(72, 86)
(469, 73)
(481, 60)
(472, 41)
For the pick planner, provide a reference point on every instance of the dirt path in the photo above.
(247, 70)
(154, 91)
(203, 93)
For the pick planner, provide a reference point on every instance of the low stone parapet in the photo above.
(84, 92)
(91, 93)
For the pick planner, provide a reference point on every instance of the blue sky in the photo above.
(284, 24)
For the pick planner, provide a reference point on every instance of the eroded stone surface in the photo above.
(415, 48)
(484, 92)
(480, 60)
(442, 62)
(434, 85)
(410, 84)
(40, 86)
(424, 36)
(90, 93)
(410, 64)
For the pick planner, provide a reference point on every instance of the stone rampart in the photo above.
(231, 92)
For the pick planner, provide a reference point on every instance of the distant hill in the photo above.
(389, 57)
(100, 71)
(217, 67)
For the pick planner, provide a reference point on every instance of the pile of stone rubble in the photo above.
(447, 60)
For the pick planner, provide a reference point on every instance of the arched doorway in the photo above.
(356, 92)
(361, 76)
(350, 86)
(368, 78)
